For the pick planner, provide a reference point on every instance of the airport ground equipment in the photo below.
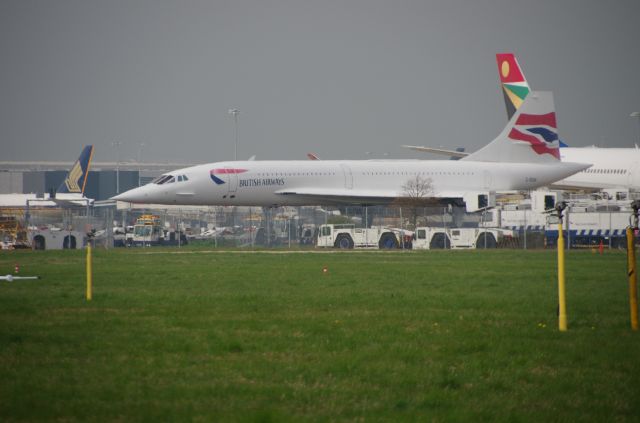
(562, 299)
(56, 239)
(430, 238)
(632, 266)
(588, 220)
(148, 231)
(347, 236)
(12, 234)
(90, 235)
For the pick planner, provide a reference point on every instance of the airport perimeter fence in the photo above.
(296, 227)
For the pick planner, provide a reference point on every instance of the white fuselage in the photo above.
(612, 167)
(306, 182)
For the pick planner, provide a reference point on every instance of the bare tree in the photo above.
(417, 193)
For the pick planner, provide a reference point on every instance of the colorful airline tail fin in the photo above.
(77, 177)
(531, 136)
(514, 86)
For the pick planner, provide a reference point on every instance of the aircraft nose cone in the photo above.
(120, 197)
(131, 196)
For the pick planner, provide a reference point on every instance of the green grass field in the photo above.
(398, 336)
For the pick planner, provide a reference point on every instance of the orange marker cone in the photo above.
(601, 247)
(16, 268)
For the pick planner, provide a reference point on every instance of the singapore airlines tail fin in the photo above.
(77, 177)
(515, 87)
(531, 136)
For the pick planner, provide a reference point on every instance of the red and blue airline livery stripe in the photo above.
(539, 131)
(224, 171)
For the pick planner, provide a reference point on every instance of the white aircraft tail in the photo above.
(531, 136)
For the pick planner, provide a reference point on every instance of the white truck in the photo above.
(427, 238)
(347, 236)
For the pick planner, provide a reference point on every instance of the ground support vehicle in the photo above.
(12, 234)
(590, 219)
(148, 231)
(587, 223)
(428, 238)
(346, 236)
(589, 229)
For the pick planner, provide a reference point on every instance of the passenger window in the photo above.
(422, 234)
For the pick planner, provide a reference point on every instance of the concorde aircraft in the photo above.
(524, 156)
(612, 167)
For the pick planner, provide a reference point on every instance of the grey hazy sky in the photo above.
(335, 77)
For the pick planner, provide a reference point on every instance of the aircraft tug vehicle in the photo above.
(347, 236)
(430, 238)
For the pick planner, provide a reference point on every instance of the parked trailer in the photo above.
(346, 236)
(56, 239)
(459, 238)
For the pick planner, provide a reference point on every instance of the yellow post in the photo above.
(562, 301)
(633, 279)
(89, 273)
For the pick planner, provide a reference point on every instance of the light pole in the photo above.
(636, 115)
(235, 113)
(117, 145)
(140, 161)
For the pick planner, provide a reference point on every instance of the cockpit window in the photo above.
(168, 179)
(163, 179)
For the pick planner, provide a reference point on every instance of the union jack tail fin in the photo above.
(515, 87)
(76, 179)
(531, 136)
